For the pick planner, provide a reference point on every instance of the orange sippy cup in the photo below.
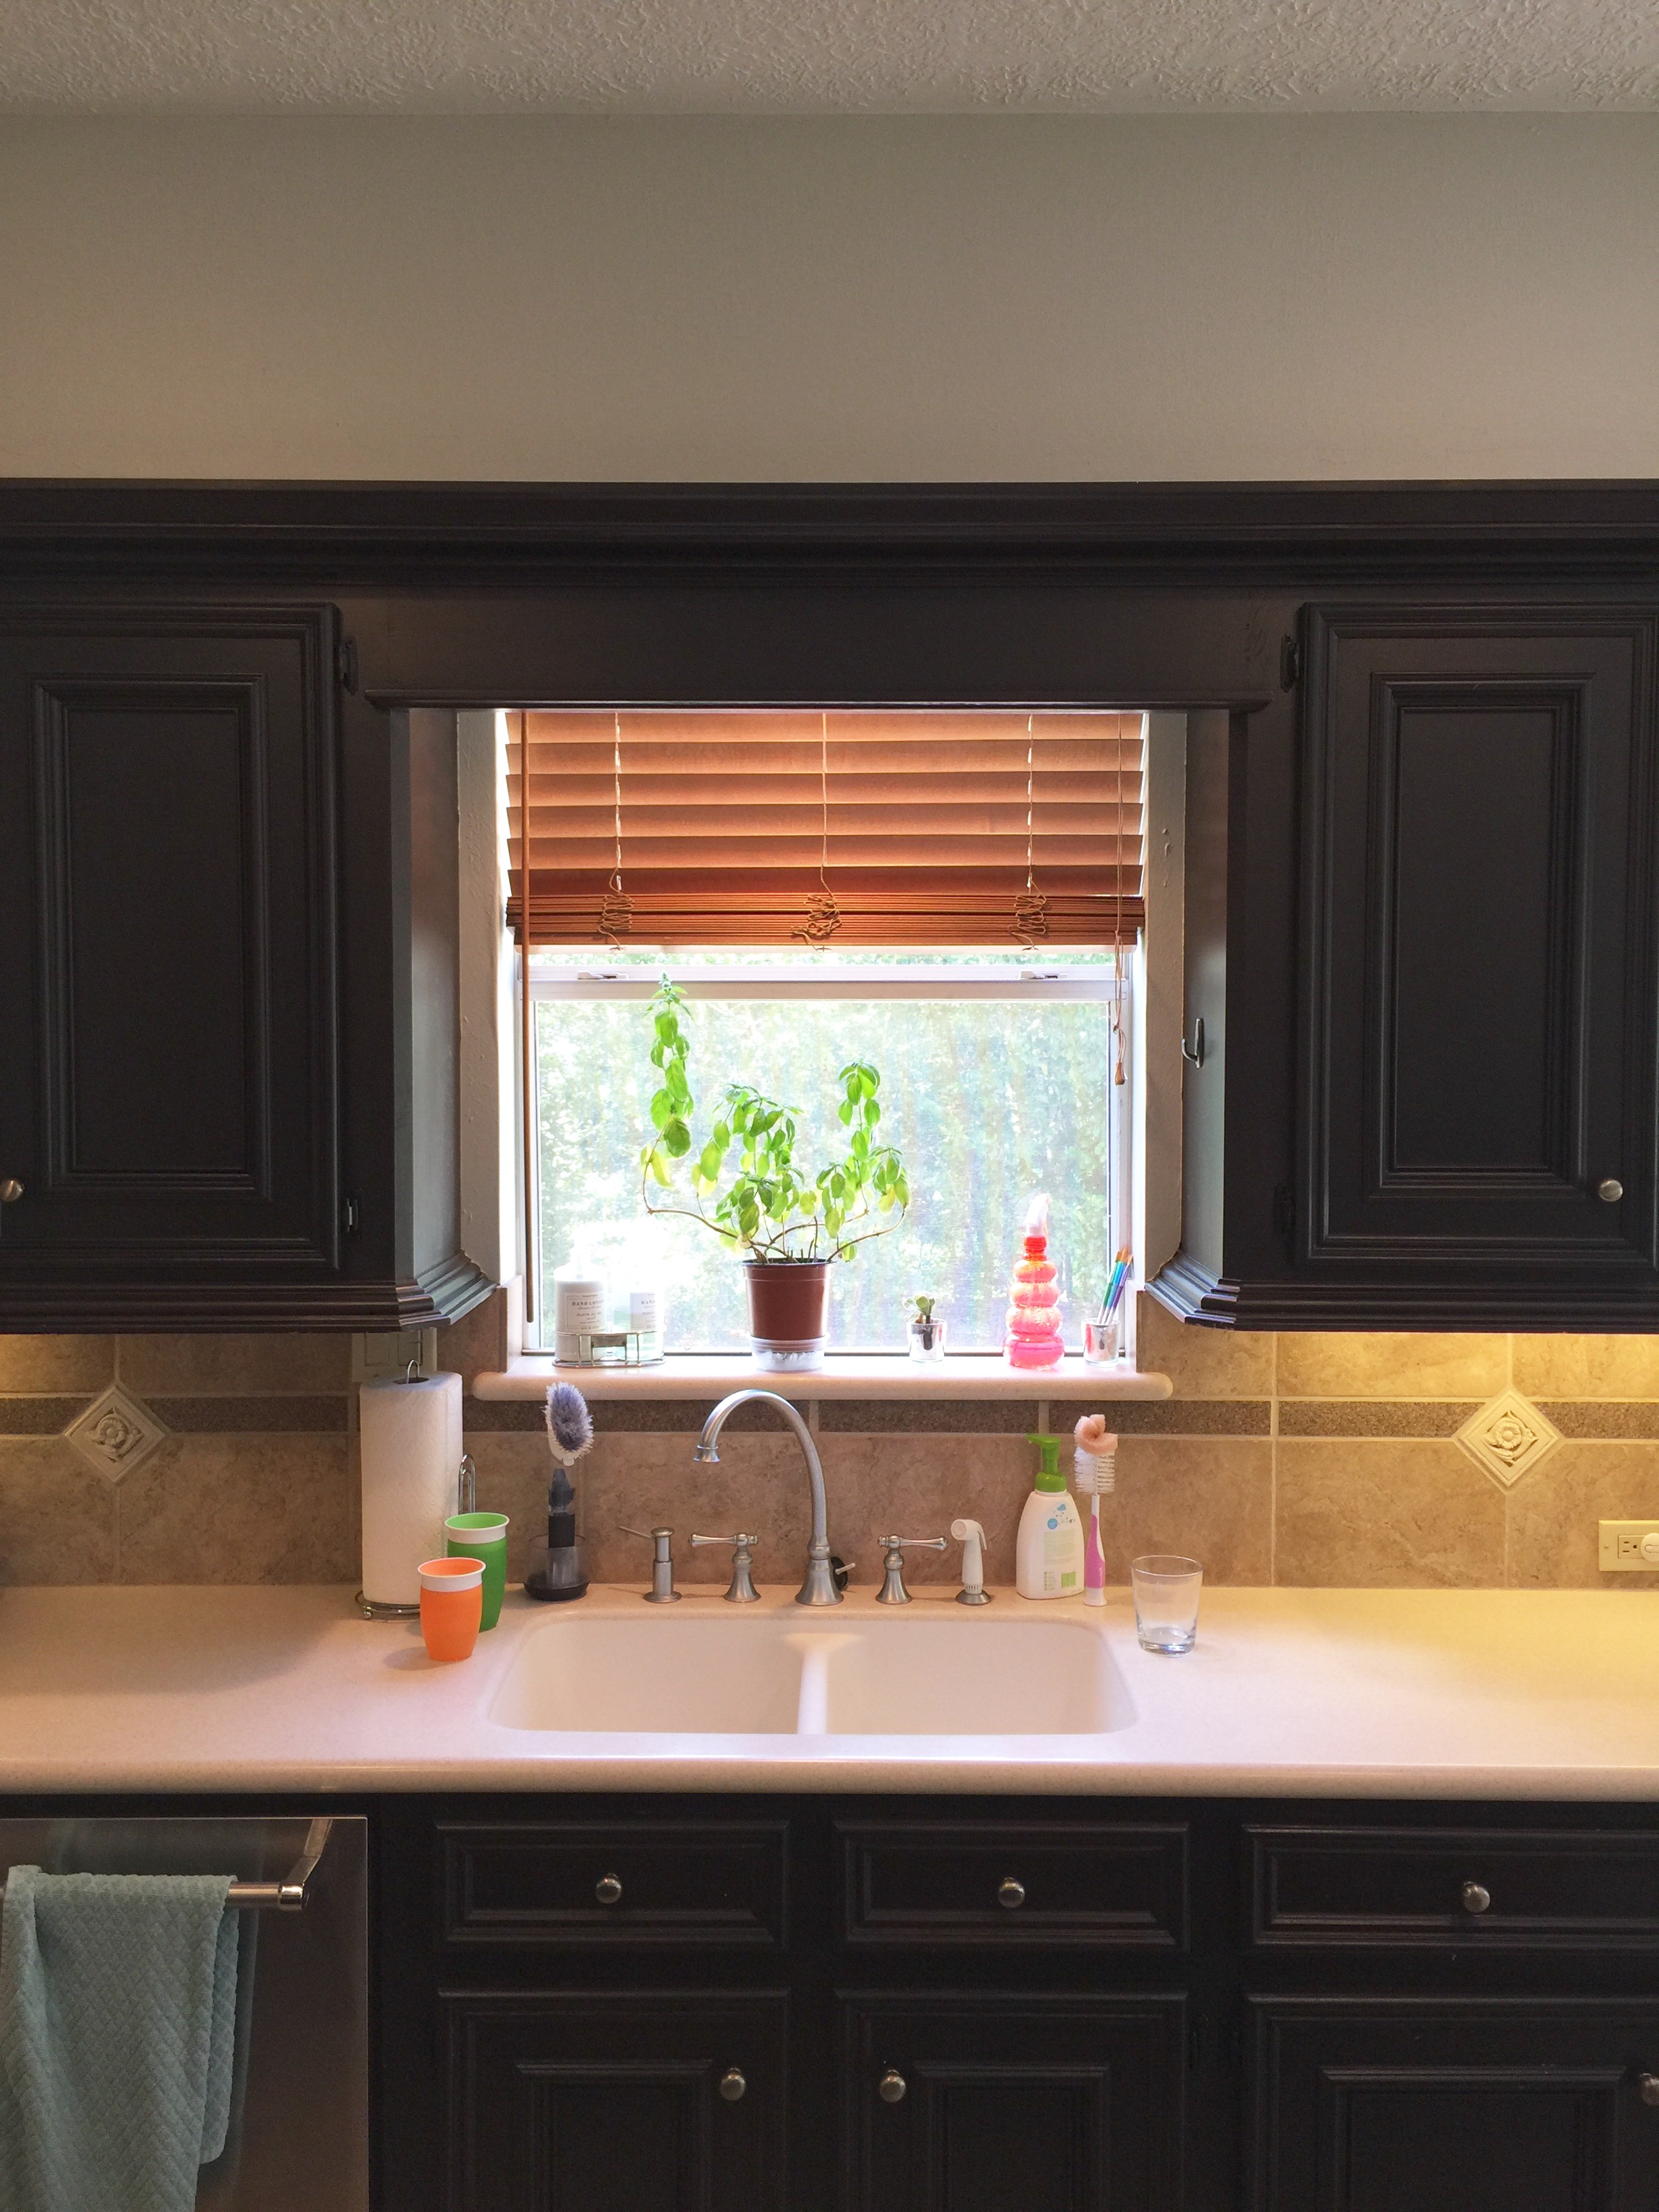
(451, 1606)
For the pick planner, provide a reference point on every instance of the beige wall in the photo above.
(948, 298)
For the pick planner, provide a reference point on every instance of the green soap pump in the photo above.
(1049, 1555)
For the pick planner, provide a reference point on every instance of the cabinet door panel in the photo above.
(589, 2102)
(167, 1036)
(1478, 927)
(1454, 2105)
(1048, 2103)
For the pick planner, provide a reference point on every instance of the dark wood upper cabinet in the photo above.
(1480, 927)
(1422, 906)
(176, 1004)
(1473, 1125)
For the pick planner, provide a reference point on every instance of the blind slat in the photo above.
(932, 818)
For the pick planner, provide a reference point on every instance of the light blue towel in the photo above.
(118, 2013)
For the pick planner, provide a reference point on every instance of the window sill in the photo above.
(845, 1375)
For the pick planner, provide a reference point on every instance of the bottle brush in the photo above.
(1094, 1462)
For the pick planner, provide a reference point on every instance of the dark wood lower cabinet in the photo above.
(1010, 2103)
(1454, 2105)
(642, 2101)
(660, 2003)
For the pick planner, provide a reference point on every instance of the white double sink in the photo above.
(921, 1672)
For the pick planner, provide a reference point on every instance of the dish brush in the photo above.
(558, 1568)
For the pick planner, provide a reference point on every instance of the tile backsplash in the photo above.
(1341, 1459)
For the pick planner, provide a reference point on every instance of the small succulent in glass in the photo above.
(926, 1329)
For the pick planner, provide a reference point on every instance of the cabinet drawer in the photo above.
(1042, 1882)
(649, 1882)
(1524, 1889)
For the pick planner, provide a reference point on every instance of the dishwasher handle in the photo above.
(293, 1892)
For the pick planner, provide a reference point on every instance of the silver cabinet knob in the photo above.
(1610, 1190)
(891, 2087)
(1475, 1896)
(10, 1191)
(732, 2085)
(1011, 1894)
(1647, 2088)
(608, 1889)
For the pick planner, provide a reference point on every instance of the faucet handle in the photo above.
(892, 1590)
(661, 1540)
(742, 1590)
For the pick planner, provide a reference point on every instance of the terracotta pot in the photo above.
(786, 1302)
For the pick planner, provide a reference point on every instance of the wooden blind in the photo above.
(725, 837)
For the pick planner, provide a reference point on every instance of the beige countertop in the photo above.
(1354, 1693)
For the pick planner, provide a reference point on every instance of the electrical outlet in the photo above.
(1628, 1548)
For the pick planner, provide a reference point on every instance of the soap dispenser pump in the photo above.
(1049, 1552)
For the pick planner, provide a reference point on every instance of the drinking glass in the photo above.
(1166, 1588)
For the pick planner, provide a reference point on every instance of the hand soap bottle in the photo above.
(1048, 1554)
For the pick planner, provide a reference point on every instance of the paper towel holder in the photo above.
(466, 1492)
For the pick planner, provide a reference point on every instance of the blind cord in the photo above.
(1117, 915)
(616, 907)
(1031, 907)
(822, 914)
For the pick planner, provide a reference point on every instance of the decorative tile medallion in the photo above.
(1508, 1437)
(116, 1433)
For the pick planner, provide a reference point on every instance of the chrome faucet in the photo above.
(819, 1587)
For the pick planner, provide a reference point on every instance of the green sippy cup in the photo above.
(481, 1536)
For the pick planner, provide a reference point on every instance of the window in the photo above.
(997, 1081)
(952, 896)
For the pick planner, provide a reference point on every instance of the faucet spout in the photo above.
(819, 1587)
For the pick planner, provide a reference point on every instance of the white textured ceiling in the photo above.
(803, 57)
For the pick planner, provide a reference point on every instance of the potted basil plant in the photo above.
(788, 1226)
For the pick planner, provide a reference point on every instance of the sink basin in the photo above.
(919, 1672)
(646, 1673)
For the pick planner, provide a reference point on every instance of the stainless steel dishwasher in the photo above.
(299, 2133)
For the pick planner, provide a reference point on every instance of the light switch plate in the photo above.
(1620, 1548)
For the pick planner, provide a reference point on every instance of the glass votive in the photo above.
(451, 1606)
(926, 1340)
(1102, 1341)
(1166, 1590)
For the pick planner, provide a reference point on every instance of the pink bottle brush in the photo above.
(1096, 1464)
(1034, 1338)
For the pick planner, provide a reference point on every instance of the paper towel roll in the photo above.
(411, 1444)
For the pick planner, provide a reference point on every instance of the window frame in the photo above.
(491, 1151)
(572, 973)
